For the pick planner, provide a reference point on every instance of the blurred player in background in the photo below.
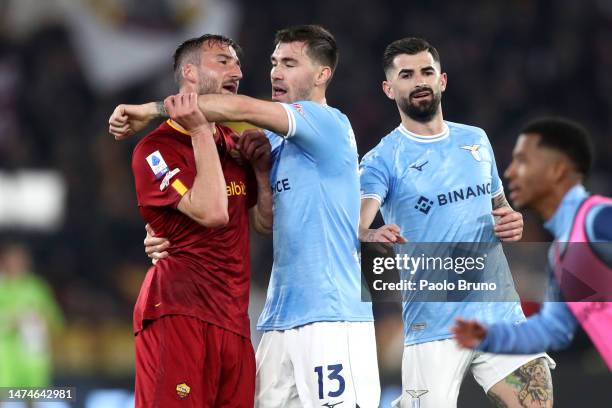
(318, 347)
(29, 315)
(422, 160)
(551, 158)
(191, 321)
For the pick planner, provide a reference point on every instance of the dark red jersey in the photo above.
(207, 274)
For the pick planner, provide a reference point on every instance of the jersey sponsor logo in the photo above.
(183, 390)
(419, 167)
(166, 181)
(157, 164)
(236, 189)
(424, 204)
(416, 397)
(473, 149)
(280, 185)
(464, 194)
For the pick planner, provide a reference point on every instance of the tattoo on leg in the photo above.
(534, 384)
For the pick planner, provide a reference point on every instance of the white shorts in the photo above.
(432, 372)
(320, 364)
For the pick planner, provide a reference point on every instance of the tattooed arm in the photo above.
(508, 223)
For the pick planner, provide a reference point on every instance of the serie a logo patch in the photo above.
(183, 390)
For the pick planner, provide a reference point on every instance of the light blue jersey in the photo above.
(438, 189)
(315, 183)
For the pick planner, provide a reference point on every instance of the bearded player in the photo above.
(193, 345)
(436, 181)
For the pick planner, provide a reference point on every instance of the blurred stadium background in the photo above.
(66, 188)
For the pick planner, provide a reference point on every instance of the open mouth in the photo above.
(278, 91)
(231, 87)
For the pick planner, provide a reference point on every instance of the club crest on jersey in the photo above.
(473, 149)
(183, 390)
(166, 181)
(157, 164)
(298, 108)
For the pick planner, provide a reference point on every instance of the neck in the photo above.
(318, 96)
(433, 127)
(550, 203)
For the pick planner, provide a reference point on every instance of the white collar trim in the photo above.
(425, 139)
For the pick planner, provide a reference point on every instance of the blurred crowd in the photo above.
(507, 62)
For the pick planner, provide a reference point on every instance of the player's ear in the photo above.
(323, 75)
(189, 73)
(386, 87)
(443, 80)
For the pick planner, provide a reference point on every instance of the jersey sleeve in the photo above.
(551, 329)
(314, 128)
(497, 187)
(161, 175)
(374, 176)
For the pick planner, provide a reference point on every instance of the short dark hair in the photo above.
(565, 136)
(188, 51)
(410, 46)
(321, 43)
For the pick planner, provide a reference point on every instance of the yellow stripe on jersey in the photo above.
(177, 127)
(239, 127)
(179, 187)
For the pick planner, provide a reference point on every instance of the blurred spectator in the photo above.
(28, 316)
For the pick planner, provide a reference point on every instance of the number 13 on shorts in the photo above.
(330, 380)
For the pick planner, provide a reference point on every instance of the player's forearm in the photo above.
(499, 201)
(237, 108)
(551, 329)
(367, 213)
(263, 219)
(208, 194)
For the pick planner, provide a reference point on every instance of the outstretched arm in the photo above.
(551, 329)
(127, 120)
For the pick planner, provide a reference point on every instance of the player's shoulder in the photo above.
(162, 136)
(462, 129)
(386, 147)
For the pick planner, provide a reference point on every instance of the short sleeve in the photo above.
(161, 175)
(315, 128)
(374, 176)
(497, 187)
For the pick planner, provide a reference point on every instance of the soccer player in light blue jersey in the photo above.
(551, 159)
(437, 181)
(318, 347)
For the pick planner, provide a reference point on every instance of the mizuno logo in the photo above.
(330, 405)
(419, 167)
(474, 150)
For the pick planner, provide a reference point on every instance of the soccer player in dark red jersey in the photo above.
(193, 345)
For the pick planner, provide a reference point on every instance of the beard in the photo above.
(207, 84)
(422, 111)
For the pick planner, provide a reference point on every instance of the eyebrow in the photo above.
(410, 71)
(228, 56)
(284, 60)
